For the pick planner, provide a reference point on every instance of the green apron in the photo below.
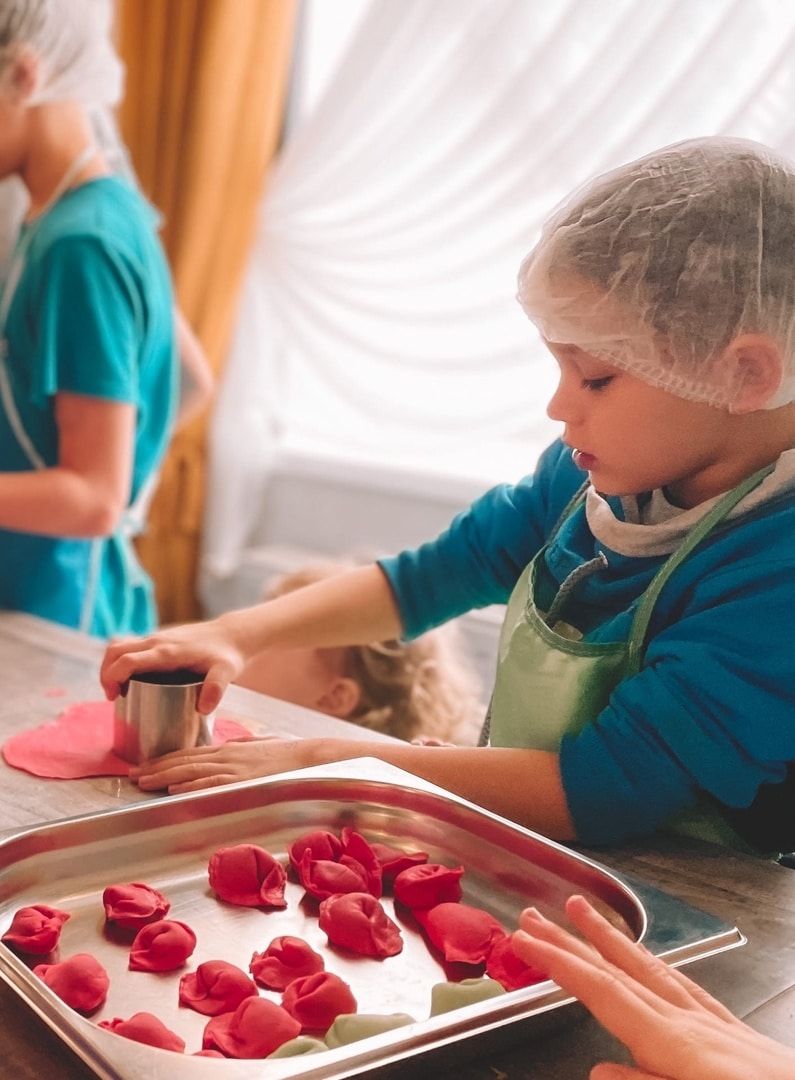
(548, 685)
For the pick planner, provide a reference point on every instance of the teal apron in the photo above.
(572, 680)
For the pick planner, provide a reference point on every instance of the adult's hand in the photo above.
(673, 1028)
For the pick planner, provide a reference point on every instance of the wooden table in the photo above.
(44, 668)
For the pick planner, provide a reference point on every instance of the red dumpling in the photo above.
(358, 922)
(463, 934)
(393, 860)
(249, 876)
(356, 849)
(80, 981)
(144, 1027)
(216, 986)
(133, 905)
(255, 1029)
(356, 869)
(317, 1000)
(162, 946)
(508, 969)
(429, 884)
(322, 878)
(35, 929)
(285, 959)
(320, 844)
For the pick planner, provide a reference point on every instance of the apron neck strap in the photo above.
(715, 516)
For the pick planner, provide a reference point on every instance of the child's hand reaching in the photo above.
(673, 1028)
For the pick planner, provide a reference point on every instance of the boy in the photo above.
(643, 679)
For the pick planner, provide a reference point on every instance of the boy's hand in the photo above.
(202, 647)
(204, 767)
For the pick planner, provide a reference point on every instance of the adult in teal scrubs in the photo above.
(88, 378)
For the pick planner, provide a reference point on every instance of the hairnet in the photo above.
(658, 265)
(72, 40)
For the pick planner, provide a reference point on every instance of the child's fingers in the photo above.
(611, 951)
(624, 1007)
(667, 1041)
(536, 925)
(650, 971)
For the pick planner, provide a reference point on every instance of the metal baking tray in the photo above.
(167, 844)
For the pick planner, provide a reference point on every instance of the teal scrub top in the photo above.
(91, 314)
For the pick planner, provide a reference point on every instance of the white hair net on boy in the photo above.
(658, 265)
(72, 41)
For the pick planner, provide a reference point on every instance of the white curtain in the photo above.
(379, 321)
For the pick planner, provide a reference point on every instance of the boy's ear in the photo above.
(22, 75)
(758, 369)
(341, 698)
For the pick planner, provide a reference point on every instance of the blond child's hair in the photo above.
(407, 689)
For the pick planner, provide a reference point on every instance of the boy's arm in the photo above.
(348, 609)
(521, 785)
(478, 559)
(710, 714)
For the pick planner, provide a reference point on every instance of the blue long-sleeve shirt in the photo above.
(712, 710)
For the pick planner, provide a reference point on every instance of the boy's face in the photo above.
(632, 437)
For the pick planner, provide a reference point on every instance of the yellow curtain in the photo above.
(201, 116)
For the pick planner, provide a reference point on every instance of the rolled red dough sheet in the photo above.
(78, 743)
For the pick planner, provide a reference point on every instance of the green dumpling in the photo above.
(303, 1044)
(447, 996)
(351, 1027)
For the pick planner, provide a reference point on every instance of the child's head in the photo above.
(658, 266)
(404, 689)
(58, 50)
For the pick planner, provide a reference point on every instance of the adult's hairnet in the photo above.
(658, 265)
(72, 40)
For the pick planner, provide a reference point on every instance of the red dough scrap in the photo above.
(80, 981)
(358, 922)
(285, 959)
(427, 885)
(317, 1000)
(463, 934)
(249, 876)
(132, 905)
(216, 986)
(35, 929)
(255, 1029)
(144, 1027)
(508, 969)
(162, 946)
(356, 869)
